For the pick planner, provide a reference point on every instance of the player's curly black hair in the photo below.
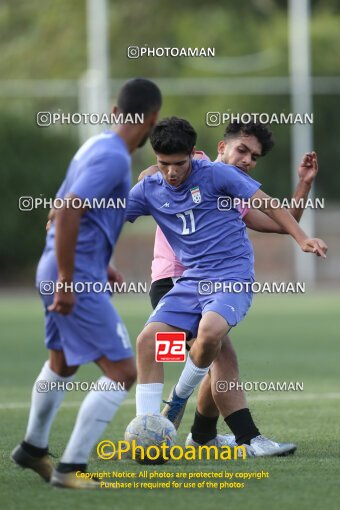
(260, 131)
(173, 135)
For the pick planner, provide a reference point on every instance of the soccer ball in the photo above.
(148, 431)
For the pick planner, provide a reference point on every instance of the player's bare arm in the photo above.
(67, 227)
(113, 275)
(260, 222)
(307, 171)
(290, 225)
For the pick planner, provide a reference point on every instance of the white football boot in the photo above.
(261, 446)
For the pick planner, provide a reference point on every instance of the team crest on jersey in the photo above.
(196, 195)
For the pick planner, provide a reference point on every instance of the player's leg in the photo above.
(47, 395)
(150, 372)
(204, 350)
(207, 413)
(220, 312)
(95, 332)
(58, 364)
(231, 402)
(224, 370)
(97, 411)
(232, 406)
(205, 401)
(178, 310)
(206, 404)
(204, 427)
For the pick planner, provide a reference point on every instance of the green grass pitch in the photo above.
(284, 338)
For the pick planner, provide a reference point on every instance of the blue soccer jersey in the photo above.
(209, 242)
(100, 174)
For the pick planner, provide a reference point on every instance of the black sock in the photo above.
(242, 426)
(64, 467)
(34, 450)
(204, 428)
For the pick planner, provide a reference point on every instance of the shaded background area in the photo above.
(44, 57)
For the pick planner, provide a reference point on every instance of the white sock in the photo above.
(44, 406)
(190, 377)
(95, 413)
(148, 398)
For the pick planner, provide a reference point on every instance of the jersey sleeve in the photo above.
(100, 177)
(137, 203)
(231, 181)
(61, 191)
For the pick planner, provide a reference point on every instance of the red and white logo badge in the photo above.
(170, 346)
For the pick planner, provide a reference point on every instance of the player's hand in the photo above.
(63, 302)
(199, 155)
(50, 218)
(151, 170)
(317, 246)
(114, 276)
(308, 168)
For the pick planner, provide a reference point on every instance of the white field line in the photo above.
(297, 397)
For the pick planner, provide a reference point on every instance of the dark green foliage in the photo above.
(33, 163)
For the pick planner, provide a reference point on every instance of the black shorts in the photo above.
(158, 290)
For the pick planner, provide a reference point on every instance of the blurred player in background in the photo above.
(86, 327)
(241, 146)
(211, 247)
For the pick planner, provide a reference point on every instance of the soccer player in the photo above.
(211, 244)
(241, 146)
(86, 327)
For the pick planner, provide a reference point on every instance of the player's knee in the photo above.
(67, 372)
(61, 369)
(129, 377)
(145, 342)
(209, 339)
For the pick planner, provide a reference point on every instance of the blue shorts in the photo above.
(93, 329)
(184, 305)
